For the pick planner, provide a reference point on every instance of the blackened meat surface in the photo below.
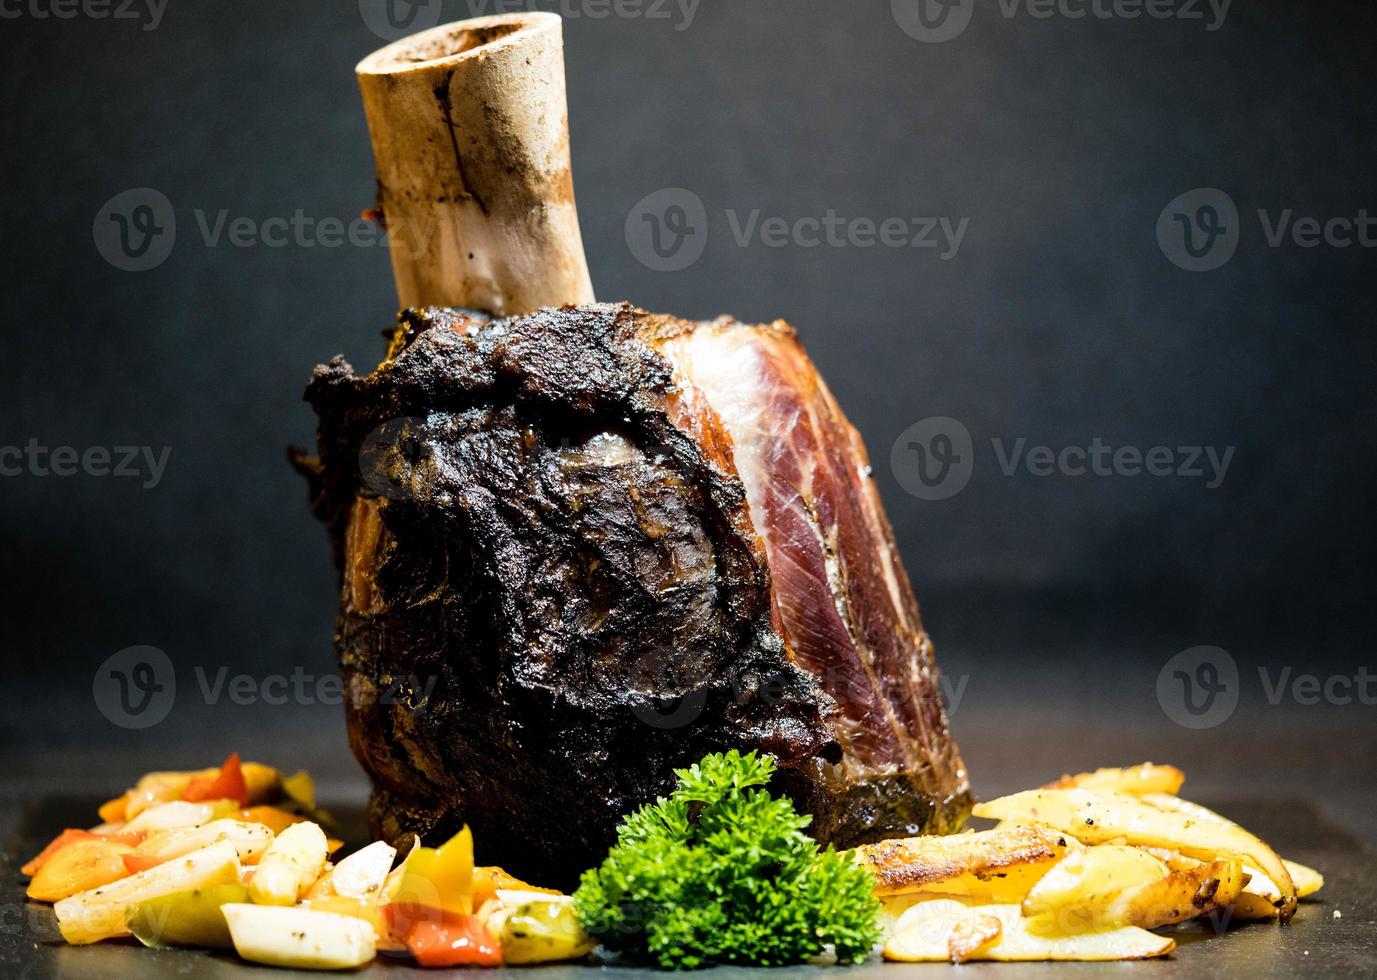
(555, 589)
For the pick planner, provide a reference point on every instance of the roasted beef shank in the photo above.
(583, 547)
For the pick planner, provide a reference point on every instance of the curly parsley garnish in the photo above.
(722, 872)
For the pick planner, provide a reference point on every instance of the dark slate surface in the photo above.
(1317, 944)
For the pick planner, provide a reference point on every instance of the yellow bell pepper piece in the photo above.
(441, 877)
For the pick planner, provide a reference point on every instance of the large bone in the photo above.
(471, 138)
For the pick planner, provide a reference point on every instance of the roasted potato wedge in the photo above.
(999, 865)
(1250, 907)
(931, 931)
(1073, 896)
(1260, 896)
(1174, 804)
(1146, 778)
(1097, 817)
(1179, 896)
(1307, 880)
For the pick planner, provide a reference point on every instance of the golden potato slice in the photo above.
(893, 907)
(1072, 897)
(1099, 816)
(1146, 778)
(1005, 862)
(924, 935)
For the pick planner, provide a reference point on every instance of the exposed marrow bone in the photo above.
(471, 138)
(605, 564)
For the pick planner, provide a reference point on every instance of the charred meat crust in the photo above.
(580, 588)
(553, 594)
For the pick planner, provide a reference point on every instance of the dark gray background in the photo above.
(1055, 600)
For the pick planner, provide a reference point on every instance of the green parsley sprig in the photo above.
(722, 872)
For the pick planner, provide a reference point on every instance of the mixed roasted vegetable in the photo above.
(236, 857)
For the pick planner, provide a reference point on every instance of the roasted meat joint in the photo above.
(582, 545)
(619, 541)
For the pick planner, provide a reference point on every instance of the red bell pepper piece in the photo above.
(438, 938)
(227, 784)
(134, 863)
